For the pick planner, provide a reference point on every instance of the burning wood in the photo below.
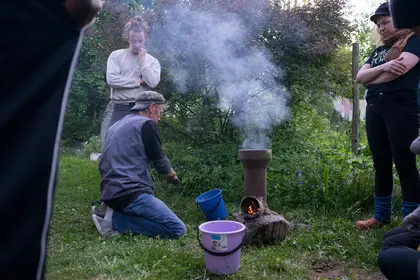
(253, 208)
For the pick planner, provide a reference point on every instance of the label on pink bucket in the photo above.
(219, 242)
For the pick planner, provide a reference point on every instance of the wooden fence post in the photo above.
(355, 86)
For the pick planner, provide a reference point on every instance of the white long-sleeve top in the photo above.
(124, 74)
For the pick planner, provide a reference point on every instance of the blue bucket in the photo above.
(212, 205)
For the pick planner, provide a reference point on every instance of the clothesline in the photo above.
(345, 107)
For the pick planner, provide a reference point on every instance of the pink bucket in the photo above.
(222, 242)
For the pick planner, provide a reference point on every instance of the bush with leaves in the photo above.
(312, 167)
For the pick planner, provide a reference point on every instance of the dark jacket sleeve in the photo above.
(413, 45)
(153, 148)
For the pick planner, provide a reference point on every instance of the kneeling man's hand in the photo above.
(176, 181)
(172, 178)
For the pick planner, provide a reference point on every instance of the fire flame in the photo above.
(253, 208)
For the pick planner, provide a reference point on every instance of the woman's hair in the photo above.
(136, 24)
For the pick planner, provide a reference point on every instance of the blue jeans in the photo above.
(149, 216)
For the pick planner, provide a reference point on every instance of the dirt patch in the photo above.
(339, 270)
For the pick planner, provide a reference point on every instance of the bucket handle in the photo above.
(215, 207)
(219, 254)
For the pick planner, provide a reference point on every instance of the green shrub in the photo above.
(312, 166)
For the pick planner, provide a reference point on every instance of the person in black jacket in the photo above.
(391, 77)
(399, 257)
(39, 46)
(406, 14)
(400, 254)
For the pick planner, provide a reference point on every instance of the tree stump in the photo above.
(267, 229)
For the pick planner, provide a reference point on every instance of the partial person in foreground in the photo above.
(391, 77)
(415, 146)
(406, 14)
(127, 193)
(400, 253)
(131, 71)
(39, 46)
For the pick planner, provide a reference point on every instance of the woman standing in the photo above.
(131, 71)
(391, 76)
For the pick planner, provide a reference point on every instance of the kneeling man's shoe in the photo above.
(103, 226)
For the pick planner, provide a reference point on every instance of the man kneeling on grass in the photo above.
(128, 201)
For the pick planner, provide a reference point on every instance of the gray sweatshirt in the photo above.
(124, 73)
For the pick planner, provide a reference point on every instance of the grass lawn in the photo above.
(324, 246)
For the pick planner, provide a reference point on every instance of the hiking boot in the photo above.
(104, 227)
(371, 223)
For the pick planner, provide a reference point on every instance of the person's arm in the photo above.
(379, 74)
(408, 59)
(366, 74)
(154, 152)
(114, 77)
(151, 73)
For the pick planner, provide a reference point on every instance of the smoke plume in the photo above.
(218, 46)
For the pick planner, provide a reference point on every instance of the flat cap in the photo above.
(146, 98)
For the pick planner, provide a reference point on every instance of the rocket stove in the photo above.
(263, 226)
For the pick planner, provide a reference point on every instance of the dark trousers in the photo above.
(418, 95)
(398, 258)
(38, 43)
(119, 111)
(391, 125)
